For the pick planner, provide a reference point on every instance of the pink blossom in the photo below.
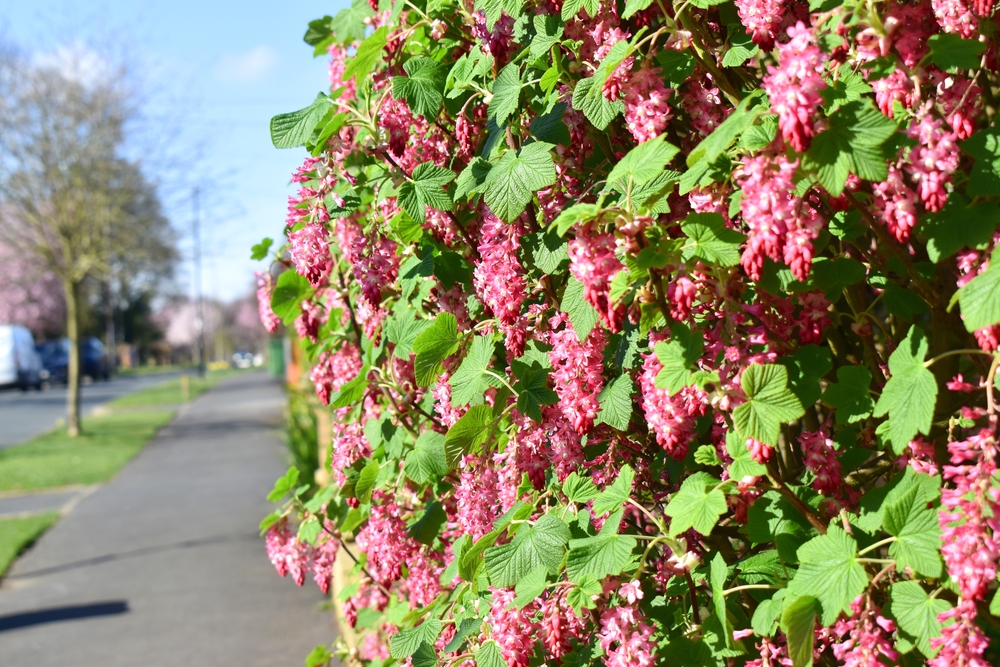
(820, 457)
(375, 264)
(794, 86)
(956, 16)
(593, 262)
(265, 284)
(499, 275)
(898, 203)
(932, 161)
(962, 643)
(867, 640)
(646, 108)
(308, 322)
(577, 371)
(761, 19)
(513, 629)
(310, 251)
(670, 418)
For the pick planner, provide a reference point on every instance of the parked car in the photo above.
(93, 359)
(20, 365)
(242, 359)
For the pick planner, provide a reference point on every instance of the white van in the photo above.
(20, 364)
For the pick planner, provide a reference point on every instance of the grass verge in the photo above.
(171, 392)
(18, 533)
(55, 459)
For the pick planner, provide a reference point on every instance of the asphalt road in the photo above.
(163, 566)
(26, 414)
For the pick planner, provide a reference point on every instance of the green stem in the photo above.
(882, 543)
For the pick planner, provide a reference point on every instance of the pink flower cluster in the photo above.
(646, 110)
(671, 418)
(794, 86)
(779, 224)
(866, 637)
(761, 18)
(289, 555)
(820, 457)
(593, 262)
(577, 371)
(625, 636)
(265, 285)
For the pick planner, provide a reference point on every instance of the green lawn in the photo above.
(17, 534)
(55, 459)
(170, 392)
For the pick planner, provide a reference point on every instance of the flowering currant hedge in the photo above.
(652, 333)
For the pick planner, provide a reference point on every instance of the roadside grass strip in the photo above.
(55, 459)
(19, 533)
(170, 392)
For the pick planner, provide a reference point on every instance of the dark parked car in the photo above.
(93, 359)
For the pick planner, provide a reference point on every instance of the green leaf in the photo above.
(829, 571)
(435, 344)
(291, 130)
(959, 225)
(468, 433)
(366, 482)
(402, 329)
(426, 189)
(850, 395)
(422, 87)
(550, 126)
(541, 544)
(364, 60)
(582, 315)
(579, 489)
(761, 134)
(595, 106)
(632, 7)
(799, 623)
(532, 388)
(918, 543)
(770, 403)
(488, 655)
(676, 67)
(548, 251)
(642, 164)
(352, 391)
(493, 8)
(833, 275)
(405, 643)
(697, 504)
(512, 181)
(805, 368)
(765, 618)
(744, 464)
(616, 403)
(718, 572)
(472, 178)
(952, 52)
(741, 47)
(616, 495)
(852, 144)
(427, 462)
(984, 179)
(470, 381)
(259, 251)
(710, 240)
(531, 586)
(284, 485)
(425, 530)
(506, 93)
(917, 614)
(722, 137)
(349, 24)
(571, 8)
(677, 356)
(290, 290)
(425, 656)
(548, 32)
(980, 297)
(911, 392)
(607, 553)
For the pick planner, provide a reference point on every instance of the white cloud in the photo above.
(252, 66)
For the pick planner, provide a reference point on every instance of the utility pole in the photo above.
(200, 320)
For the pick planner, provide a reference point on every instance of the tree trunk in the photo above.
(72, 290)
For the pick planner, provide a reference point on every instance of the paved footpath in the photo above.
(163, 565)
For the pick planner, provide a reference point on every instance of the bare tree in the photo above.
(68, 194)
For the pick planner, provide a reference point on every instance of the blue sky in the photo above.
(214, 73)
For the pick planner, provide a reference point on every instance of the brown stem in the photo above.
(806, 511)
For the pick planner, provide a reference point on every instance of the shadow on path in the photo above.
(135, 553)
(57, 614)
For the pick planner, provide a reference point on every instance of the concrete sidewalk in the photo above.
(163, 565)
